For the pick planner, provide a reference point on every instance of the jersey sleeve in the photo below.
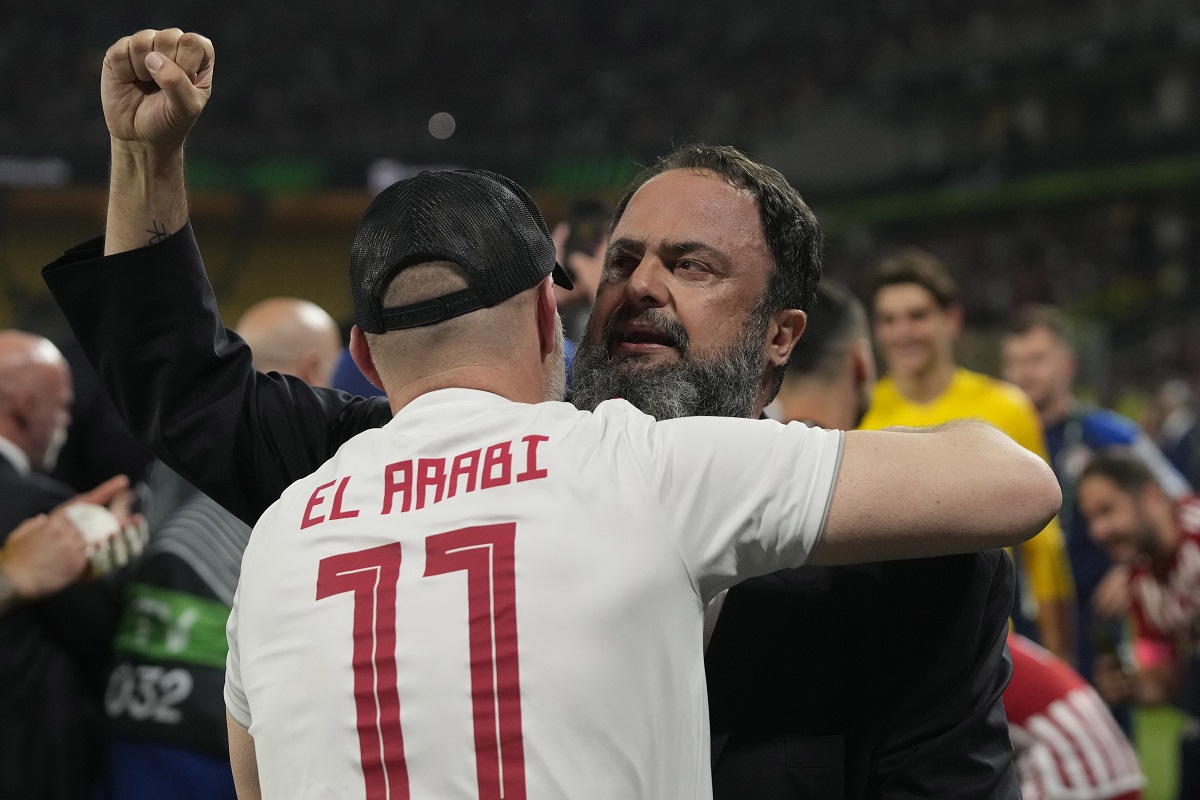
(148, 322)
(235, 696)
(740, 497)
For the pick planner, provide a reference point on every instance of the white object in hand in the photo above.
(99, 527)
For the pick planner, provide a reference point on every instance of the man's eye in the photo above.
(620, 266)
(688, 265)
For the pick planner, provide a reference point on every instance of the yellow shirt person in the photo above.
(972, 395)
(916, 319)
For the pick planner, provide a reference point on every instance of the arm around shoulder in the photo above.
(957, 488)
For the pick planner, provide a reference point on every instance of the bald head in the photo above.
(498, 348)
(832, 370)
(35, 396)
(292, 336)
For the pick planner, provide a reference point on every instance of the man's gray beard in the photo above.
(724, 386)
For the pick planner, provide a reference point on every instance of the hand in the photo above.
(1113, 684)
(585, 267)
(43, 555)
(119, 549)
(1111, 596)
(154, 85)
(114, 494)
(128, 542)
(112, 490)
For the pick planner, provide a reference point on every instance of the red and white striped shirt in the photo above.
(1068, 747)
(1166, 606)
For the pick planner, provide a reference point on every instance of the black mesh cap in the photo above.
(480, 220)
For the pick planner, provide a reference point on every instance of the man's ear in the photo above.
(547, 317)
(362, 358)
(783, 332)
(1072, 365)
(864, 363)
(954, 317)
(23, 405)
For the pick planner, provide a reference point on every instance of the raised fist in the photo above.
(154, 85)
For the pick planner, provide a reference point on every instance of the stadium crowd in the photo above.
(986, 88)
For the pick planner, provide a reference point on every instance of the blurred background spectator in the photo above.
(1177, 426)
(164, 699)
(53, 642)
(1039, 358)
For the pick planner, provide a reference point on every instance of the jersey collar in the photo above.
(454, 397)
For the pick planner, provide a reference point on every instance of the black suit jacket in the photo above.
(51, 653)
(822, 670)
(871, 681)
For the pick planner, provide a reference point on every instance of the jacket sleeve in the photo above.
(948, 731)
(148, 322)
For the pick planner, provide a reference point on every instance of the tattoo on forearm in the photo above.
(159, 232)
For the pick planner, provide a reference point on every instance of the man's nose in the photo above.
(647, 284)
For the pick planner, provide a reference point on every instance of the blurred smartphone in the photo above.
(1106, 644)
(1103, 642)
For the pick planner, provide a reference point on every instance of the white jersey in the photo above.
(489, 599)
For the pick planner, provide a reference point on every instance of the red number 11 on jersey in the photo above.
(485, 553)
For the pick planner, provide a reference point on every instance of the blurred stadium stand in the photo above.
(906, 90)
(1049, 151)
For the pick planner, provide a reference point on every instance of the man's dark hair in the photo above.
(1121, 466)
(914, 265)
(837, 320)
(789, 225)
(1040, 315)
